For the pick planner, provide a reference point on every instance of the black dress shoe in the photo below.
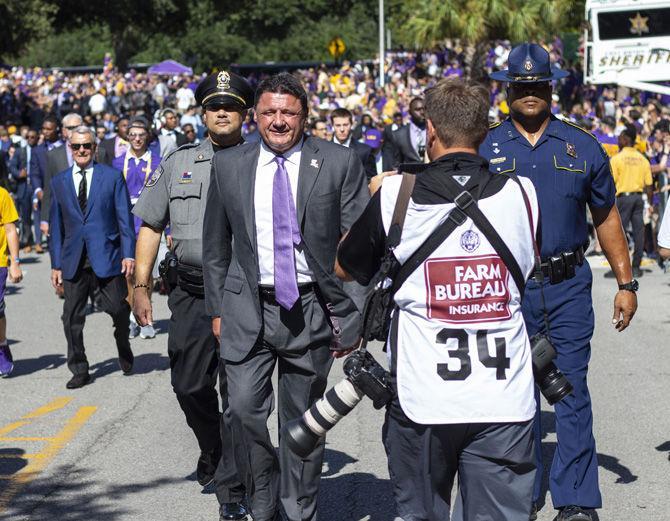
(229, 511)
(207, 463)
(573, 513)
(78, 380)
(637, 272)
(126, 365)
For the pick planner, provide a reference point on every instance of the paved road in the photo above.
(119, 449)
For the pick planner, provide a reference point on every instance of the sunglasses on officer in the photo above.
(228, 106)
(85, 146)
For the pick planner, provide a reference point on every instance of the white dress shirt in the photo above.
(346, 143)
(77, 177)
(265, 171)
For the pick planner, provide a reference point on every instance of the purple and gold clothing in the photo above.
(608, 141)
(136, 172)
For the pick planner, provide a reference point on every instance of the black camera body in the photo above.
(371, 378)
(553, 384)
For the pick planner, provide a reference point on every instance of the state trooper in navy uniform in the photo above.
(569, 170)
(176, 194)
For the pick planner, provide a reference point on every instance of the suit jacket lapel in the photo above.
(310, 166)
(69, 187)
(96, 179)
(247, 181)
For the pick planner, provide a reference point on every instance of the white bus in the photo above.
(627, 42)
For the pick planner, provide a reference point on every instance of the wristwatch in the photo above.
(633, 286)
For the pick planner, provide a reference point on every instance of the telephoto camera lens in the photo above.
(304, 433)
(553, 384)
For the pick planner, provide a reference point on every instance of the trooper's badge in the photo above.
(571, 150)
(223, 81)
(155, 177)
(528, 65)
(470, 240)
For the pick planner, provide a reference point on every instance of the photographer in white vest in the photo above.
(460, 356)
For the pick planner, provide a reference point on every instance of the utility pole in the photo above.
(382, 53)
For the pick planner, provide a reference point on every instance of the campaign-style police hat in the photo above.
(528, 63)
(225, 86)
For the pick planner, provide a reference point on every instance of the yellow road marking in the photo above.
(57, 404)
(11, 427)
(25, 438)
(37, 455)
(32, 470)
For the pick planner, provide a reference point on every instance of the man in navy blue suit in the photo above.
(92, 241)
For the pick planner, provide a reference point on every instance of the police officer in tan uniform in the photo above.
(176, 194)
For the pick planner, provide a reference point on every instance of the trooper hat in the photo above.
(225, 86)
(528, 63)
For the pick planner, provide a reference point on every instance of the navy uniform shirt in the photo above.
(569, 169)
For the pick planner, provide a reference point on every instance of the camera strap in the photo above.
(538, 275)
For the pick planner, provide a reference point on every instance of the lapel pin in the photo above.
(314, 163)
(571, 150)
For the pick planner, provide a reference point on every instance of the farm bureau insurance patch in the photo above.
(467, 289)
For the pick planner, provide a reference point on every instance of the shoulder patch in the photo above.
(579, 128)
(155, 176)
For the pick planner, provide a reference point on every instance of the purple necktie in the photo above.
(285, 235)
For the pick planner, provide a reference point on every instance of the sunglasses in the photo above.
(72, 128)
(228, 107)
(77, 146)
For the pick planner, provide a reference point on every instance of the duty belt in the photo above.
(190, 279)
(624, 194)
(267, 293)
(562, 266)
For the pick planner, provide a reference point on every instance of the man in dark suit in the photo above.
(342, 121)
(38, 168)
(409, 142)
(92, 242)
(275, 213)
(19, 169)
(115, 146)
(57, 159)
(387, 141)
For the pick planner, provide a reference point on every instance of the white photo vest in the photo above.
(463, 354)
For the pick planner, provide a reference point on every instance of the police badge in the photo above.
(571, 150)
(528, 65)
(470, 240)
(223, 81)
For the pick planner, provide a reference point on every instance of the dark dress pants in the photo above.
(631, 208)
(24, 207)
(298, 341)
(113, 293)
(573, 477)
(195, 366)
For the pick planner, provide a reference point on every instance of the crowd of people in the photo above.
(155, 159)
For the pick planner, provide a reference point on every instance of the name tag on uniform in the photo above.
(186, 177)
(497, 160)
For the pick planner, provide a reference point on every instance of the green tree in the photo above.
(22, 21)
(424, 23)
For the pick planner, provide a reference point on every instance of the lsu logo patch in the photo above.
(470, 240)
(462, 290)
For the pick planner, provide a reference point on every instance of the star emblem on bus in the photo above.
(638, 25)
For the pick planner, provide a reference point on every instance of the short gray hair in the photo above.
(459, 111)
(72, 116)
(83, 130)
